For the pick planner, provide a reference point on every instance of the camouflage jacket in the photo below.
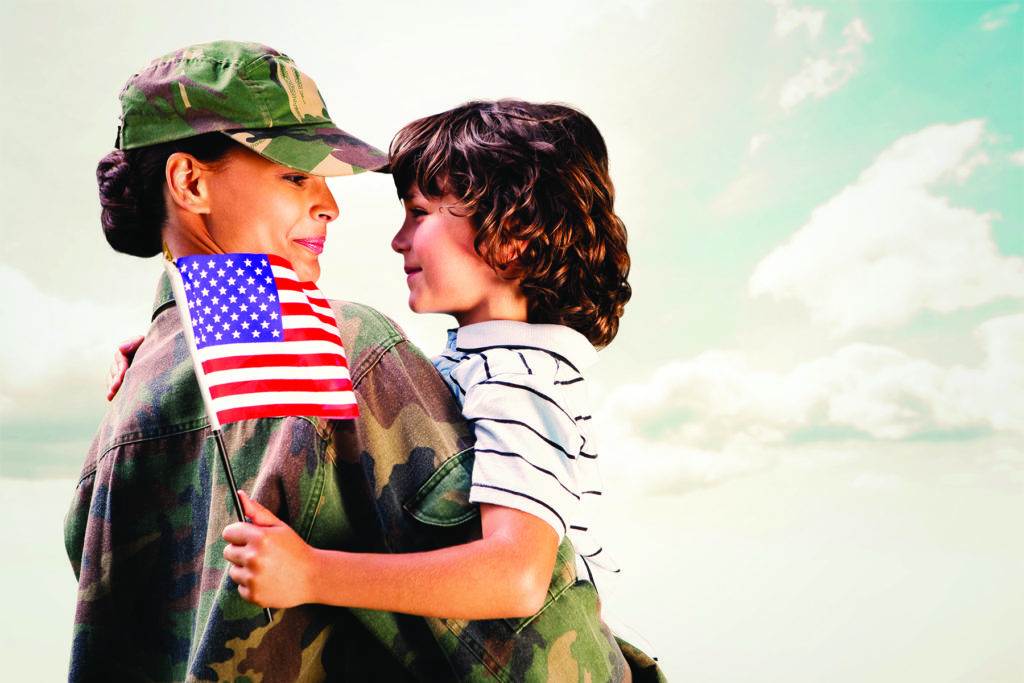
(143, 532)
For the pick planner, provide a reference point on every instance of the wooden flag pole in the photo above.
(179, 296)
(226, 464)
(234, 494)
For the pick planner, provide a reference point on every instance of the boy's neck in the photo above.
(507, 307)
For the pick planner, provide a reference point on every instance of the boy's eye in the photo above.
(296, 178)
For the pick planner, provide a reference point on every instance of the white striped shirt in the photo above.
(520, 386)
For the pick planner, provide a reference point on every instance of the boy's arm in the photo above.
(505, 574)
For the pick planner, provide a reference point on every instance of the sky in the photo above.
(826, 336)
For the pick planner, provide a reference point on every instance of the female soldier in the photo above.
(223, 148)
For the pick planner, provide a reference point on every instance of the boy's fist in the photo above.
(270, 563)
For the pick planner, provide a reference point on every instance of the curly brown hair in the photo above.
(533, 179)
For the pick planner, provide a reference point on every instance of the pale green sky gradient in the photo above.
(717, 403)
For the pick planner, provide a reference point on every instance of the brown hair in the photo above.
(534, 179)
(131, 186)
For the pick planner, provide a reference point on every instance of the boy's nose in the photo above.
(400, 242)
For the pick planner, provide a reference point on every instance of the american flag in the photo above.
(266, 343)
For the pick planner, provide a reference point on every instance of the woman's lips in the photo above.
(410, 271)
(314, 244)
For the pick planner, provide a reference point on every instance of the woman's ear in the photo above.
(187, 183)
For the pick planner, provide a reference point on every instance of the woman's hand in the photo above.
(271, 564)
(122, 359)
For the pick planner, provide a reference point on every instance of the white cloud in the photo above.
(1018, 157)
(887, 247)
(716, 416)
(876, 481)
(963, 171)
(747, 189)
(856, 34)
(631, 464)
(998, 17)
(789, 18)
(57, 349)
(742, 194)
(757, 142)
(825, 75)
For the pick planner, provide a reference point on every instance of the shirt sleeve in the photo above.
(526, 447)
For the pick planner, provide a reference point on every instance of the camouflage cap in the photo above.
(248, 91)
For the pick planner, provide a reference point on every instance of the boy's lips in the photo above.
(314, 244)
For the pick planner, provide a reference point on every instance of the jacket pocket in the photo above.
(443, 499)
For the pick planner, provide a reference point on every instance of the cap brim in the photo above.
(316, 148)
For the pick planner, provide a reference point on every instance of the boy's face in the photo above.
(443, 271)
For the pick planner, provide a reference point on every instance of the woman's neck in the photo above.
(184, 238)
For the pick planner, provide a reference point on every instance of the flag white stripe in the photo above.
(264, 349)
(298, 322)
(284, 273)
(287, 296)
(286, 397)
(283, 372)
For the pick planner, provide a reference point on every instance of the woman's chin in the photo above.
(307, 272)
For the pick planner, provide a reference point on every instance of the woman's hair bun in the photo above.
(121, 218)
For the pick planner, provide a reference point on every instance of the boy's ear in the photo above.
(507, 259)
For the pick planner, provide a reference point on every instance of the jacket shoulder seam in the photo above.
(370, 358)
(138, 437)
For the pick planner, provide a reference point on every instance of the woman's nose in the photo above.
(324, 207)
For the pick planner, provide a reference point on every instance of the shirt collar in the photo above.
(564, 341)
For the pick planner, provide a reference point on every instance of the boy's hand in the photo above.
(122, 359)
(271, 564)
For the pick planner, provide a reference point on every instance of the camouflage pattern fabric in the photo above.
(248, 91)
(143, 533)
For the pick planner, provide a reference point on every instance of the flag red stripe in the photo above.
(300, 360)
(306, 309)
(282, 410)
(305, 288)
(282, 263)
(291, 285)
(311, 334)
(255, 386)
(322, 303)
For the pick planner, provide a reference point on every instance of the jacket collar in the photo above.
(164, 295)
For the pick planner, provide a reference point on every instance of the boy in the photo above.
(510, 228)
